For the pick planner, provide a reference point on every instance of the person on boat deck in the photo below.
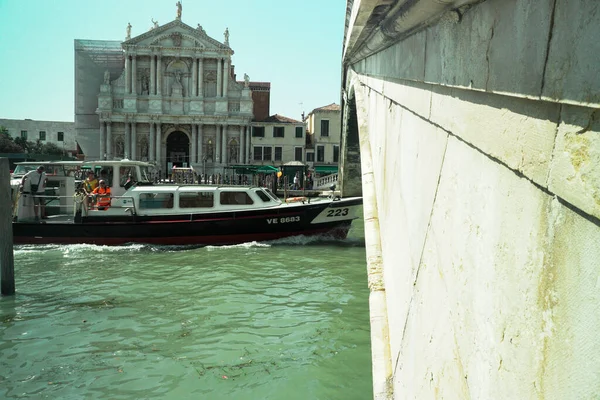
(102, 194)
(34, 183)
(89, 184)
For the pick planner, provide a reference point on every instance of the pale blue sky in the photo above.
(295, 45)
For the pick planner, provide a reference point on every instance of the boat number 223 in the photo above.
(340, 212)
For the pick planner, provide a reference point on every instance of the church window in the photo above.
(24, 134)
(42, 135)
(60, 136)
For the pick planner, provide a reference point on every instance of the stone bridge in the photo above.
(472, 130)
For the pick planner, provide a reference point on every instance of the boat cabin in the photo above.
(65, 177)
(187, 199)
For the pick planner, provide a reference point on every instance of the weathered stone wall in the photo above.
(484, 143)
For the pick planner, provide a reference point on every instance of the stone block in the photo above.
(505, 304)
(572, 72)
(575, 172)
(407, 154)
(518, 132)
(403, 60)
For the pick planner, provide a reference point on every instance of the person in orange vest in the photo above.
(102, 194)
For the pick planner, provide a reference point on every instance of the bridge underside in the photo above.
(476, 132)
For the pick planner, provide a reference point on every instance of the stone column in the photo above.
(200, 142)
(219, 76)
(152, 74)
(127, 147)
(225, 77)
(102, 139)
(134, 74)
(218, 149)
(159, 75)
(134, 140)
(194, 143)
(152, 143)
(158, 142)
(248, 139)
(195, 78)
(241, 149)
(224, 155)
(201, 78)
(109, 143)
(127, 74)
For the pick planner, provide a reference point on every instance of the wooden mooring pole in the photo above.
(7, 261)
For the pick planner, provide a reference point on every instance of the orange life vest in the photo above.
(103, 196)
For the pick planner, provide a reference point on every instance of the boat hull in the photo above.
(331, 219)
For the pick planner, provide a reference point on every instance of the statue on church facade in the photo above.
(226, 34)
(128, 31)
(154, 24)
(200, 29)
(178, 4)
(106, 77)
(246, 80)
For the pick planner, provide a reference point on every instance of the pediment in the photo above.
(176, 34)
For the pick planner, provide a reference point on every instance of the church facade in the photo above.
(168, 96)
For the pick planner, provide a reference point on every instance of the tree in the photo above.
(7, 144)
(23, 143)
(51, 148)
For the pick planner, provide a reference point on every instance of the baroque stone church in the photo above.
(168, 95)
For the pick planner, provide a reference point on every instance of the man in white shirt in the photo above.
(34, 184)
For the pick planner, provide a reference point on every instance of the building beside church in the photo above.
(60, 133)
(169, 96)
(323, 127)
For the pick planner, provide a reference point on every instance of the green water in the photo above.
(282, 320)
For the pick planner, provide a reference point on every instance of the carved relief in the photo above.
(210, 76)
(119, 146)
(176, 37)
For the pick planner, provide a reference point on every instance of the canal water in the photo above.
(280, 320)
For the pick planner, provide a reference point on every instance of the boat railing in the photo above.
(53, 205)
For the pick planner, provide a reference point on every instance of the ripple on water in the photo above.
(144, 321)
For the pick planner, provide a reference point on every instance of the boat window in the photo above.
(106, 174)
(235, 198)
(124, 173)
(23, 169)
(156, 200)
(196, 199)
(271, 194)
(263, 196)
(145, 173)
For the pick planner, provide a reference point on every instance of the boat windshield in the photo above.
(21, 170)
(145, 174)
(268, 191)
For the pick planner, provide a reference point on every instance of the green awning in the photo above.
(253, 169)
(326, 169)
(267, 169)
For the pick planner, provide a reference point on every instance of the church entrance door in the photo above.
(178, 150)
